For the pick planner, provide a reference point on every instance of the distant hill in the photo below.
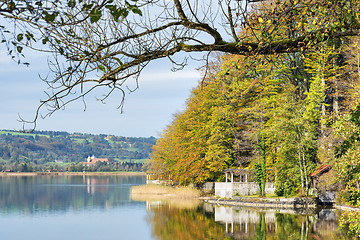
(41, 147)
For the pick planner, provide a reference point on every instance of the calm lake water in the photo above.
(101, 207)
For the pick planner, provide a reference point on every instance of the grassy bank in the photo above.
(161, 190)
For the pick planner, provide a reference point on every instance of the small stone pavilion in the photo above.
(242, 182)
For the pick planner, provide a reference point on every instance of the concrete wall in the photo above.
(209, 186)
(229, 189)
(164, 182)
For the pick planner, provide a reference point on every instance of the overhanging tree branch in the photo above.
(101, 44)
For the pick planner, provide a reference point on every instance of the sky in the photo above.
(146, 113)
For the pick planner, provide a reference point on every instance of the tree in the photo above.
(98, 44)
(29, 21)
(260, 168)
(200, 142)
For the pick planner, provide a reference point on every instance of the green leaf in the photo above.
(115, 13)
(111, 7)
(72, 3)
(118, 60)
(10, 5)
(102, 68)
(95, 15)
(45, 40)
(137, 11)
(50, 17)
(20, 37)
(87, 7)
(29, 36)
(124, 13)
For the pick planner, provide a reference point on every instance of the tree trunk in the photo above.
(336, 92)
(323, 108)
(301, 169)
(305, 174)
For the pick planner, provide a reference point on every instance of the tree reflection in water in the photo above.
(219, 222)
(170, 222)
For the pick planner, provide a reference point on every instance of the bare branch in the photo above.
(109, 51)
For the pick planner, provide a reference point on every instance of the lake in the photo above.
(101, 207)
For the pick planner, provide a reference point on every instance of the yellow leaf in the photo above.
(314, 22)
(269, 21)
(260, 19)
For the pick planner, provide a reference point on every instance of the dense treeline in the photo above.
(289, 112)
(28, 152)
(281, 107)
(71, 167)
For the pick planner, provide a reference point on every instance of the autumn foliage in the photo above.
(288, 103)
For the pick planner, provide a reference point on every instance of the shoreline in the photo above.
(299, 204)
(14, 174)
(293, 203)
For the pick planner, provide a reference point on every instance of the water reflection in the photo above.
(205, 221)
(183, 223)
(89, 204)
(249, 223)
(45, 194)
(71, 207)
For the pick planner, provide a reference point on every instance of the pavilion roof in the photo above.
(242, 170)
(320, 171)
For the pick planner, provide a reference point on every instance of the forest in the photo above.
(291, 112)
(52, 150)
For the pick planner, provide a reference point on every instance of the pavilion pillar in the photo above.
(226, 177)
(246, 177)
(232, 177)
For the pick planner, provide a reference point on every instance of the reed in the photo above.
(178, 192)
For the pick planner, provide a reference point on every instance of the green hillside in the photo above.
(62, 148)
